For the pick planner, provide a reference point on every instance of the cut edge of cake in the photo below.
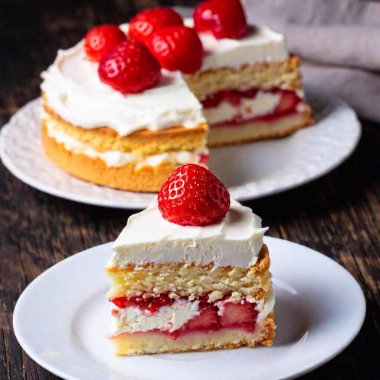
(166, 303)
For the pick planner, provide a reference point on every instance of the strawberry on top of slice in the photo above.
(193, 196)
(145, 23)
(222, 18)
(288, 102)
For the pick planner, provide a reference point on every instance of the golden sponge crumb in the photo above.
(263, 75)
(95, 170)
(184, 279)
(258, 130)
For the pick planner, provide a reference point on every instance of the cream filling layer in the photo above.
(235, 241)
(262, 104)
(113, 158)
(167, 318)
(172, 318)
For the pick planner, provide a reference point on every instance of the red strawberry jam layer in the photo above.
(286, 106)
(203, 158)
(213, 316)
(152, 304)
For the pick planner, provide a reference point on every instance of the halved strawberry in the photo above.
(120, 302)
(233, 97)
(207, 320)
(288, 102)
(238, 315)
(204, 158)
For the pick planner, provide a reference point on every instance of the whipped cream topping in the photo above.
(262, 104)
(235, 241)
(74, 91)
(114, 158)
(173, 317)
(260, 44)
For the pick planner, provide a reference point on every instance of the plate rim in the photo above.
(27, 346)
(135, 204)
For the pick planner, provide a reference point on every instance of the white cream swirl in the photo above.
(149, 238)
(260, 44)
(74, 91)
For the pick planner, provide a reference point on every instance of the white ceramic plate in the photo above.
(62, 317)
(250, 170)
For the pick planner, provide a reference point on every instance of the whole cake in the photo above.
(199, 280)
(127, 105)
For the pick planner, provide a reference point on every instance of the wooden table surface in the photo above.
(338, 214)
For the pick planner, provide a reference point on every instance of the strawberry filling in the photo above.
(287, 104)
(152, 304)
(203, 158)
(213, 316)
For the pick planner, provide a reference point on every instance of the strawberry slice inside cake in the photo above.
(199, 280)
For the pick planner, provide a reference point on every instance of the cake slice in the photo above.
(250, 87)
(191, 272)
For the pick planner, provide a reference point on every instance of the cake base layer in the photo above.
(155, 343)
(258, 130)
(126, 177)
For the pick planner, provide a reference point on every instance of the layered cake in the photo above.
(129, 104)
(199, 280)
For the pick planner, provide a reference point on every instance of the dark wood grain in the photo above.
(338, 214)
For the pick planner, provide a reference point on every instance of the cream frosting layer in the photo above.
(172, 318)
(75, 92)
(260, 44)
(114, 158)
(149, 238)
(262, 104)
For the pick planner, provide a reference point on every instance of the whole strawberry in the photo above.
(177, 48)
(193, 196)
(145, 23)
(129, 67)
(101, 39)
(222, 18)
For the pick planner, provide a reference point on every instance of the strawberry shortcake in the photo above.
(128, 104)
(199, 280)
